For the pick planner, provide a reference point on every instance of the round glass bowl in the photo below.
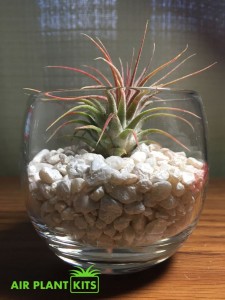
(95, 204)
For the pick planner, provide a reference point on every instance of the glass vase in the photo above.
(119, 210)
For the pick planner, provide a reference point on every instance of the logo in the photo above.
(81, 281)
(84, 282)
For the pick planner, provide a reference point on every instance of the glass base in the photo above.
(112, 260)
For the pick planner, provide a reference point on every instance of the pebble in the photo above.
(115, 201)
(134, 208)
(39, 157)
(139, 156)
(188, 178)
(109, 210)
(121, 223)
(116, 162)
(77, 185)
(63, 189)
(83, 204)
(160, 190)
(195, 163)
(124, 194)
(97, 194)
(49, 175)
(123, 178)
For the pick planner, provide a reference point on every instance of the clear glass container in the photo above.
(121, 211)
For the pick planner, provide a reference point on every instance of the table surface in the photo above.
(196, 271)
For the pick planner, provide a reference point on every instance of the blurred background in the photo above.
(38, 33)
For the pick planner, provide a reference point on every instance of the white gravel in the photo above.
(116, 201)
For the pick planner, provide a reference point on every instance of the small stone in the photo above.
(109, 230)
(109, 210)
(157, 226)
(60, 206)
(179, 159)
(134, 208)
(53, 159)
(161, 190)
(40, 157)
(124, 194)
(175, 175)
(67, 214)
(143, 170)
(180, 210)
(46, 190)
(188, 178)
(63, 189)
(64, 159)
(159, 156)
(151, 161)
(115, 162)
(178, 190)
(100, 224)
(47, 218)
(123, 178)
(139, 223)
(56, 218)
(46, 207)
(121, 223)
(149, 201)
(148, 213)
(90, 219)
(83, 204)
(128, 164)
(33, 170)
(77, 185)
(128, 235)
(80, 222)
(97, 194)
(154, 147)
(69, 151)
(167, 152)
(139, 156)
(159, 175)
(187, 198)
(61, 168)
(190, 169)
(195, 163)
(49, 175)
(100, 173)
(144, 185)
(117, 237)
(144, 148)
(169, 203)
(93, 234)
(90, 157)
(104, 241)
(161, 215)
(77, 168)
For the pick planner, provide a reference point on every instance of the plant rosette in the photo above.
(134, 171)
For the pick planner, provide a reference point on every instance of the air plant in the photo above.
(113, 123)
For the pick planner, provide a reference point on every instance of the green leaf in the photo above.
(76, 108)
(162, 132)
(122, 107)
(105, 126)
(65, 124)
(112, 105)
(137, 119)
(89, 127)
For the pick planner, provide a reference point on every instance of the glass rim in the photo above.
(161, 89)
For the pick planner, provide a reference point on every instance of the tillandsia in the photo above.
(113, 122)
